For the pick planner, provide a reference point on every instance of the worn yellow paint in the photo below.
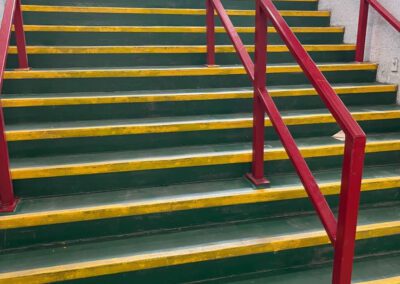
(168, 49)
(188, 255)
(169, 72)
(188, 202)
(149, 98)
(159, 11)
(189, 160)
(165, 29)
(196, 125)
(391, 280)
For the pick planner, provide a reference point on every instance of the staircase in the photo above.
(128, 153)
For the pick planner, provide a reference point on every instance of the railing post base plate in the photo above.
(10, 207)
(258, 182)
(212, 65)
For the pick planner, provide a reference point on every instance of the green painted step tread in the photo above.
(158, 11)
(119, 203)
(59, 99)
(168, 49)
(137, 253)
(306, 4)
(194, 33)
(42, 56)
(173, 3)
(165, 29)
(190, 156)
(172, 71)
(139, 16)
(96, 128)
(378, 269)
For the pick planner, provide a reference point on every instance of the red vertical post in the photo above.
(348, 210)
(210, 33)
(362, 30)
(20, 36)
(7, 198)
(260, 57)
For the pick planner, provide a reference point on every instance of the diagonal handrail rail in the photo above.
(341, 232)
(363, 21)
(12, 15)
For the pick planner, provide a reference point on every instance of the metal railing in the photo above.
(363, 22)
(342, 231)
(12, 16)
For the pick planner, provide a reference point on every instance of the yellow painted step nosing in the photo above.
(169, 127)
(188, 255)
(160, 11)
(169, 72)
(391, 280)
(168, 49)
(180, 203)
(166, 29)
(175, 97)
(189, 160)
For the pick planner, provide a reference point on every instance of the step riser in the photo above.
(65, 185)
(110, 143)
(89, 19)
(49, 147)
(72, 232)
(232, 4)
(15, 115)
(368, 269)
(132, 60)
(13, 86)
(129, 38)
(246, 264)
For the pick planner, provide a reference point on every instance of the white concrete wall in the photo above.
(383, 41)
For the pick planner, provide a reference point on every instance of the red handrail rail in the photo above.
(341, 232)
(12, 15)
(363, 22)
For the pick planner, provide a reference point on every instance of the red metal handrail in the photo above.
(12, 15)
(363, 22)
(341, 232)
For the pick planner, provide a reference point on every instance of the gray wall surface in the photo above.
(383, 41)
(2, 2)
